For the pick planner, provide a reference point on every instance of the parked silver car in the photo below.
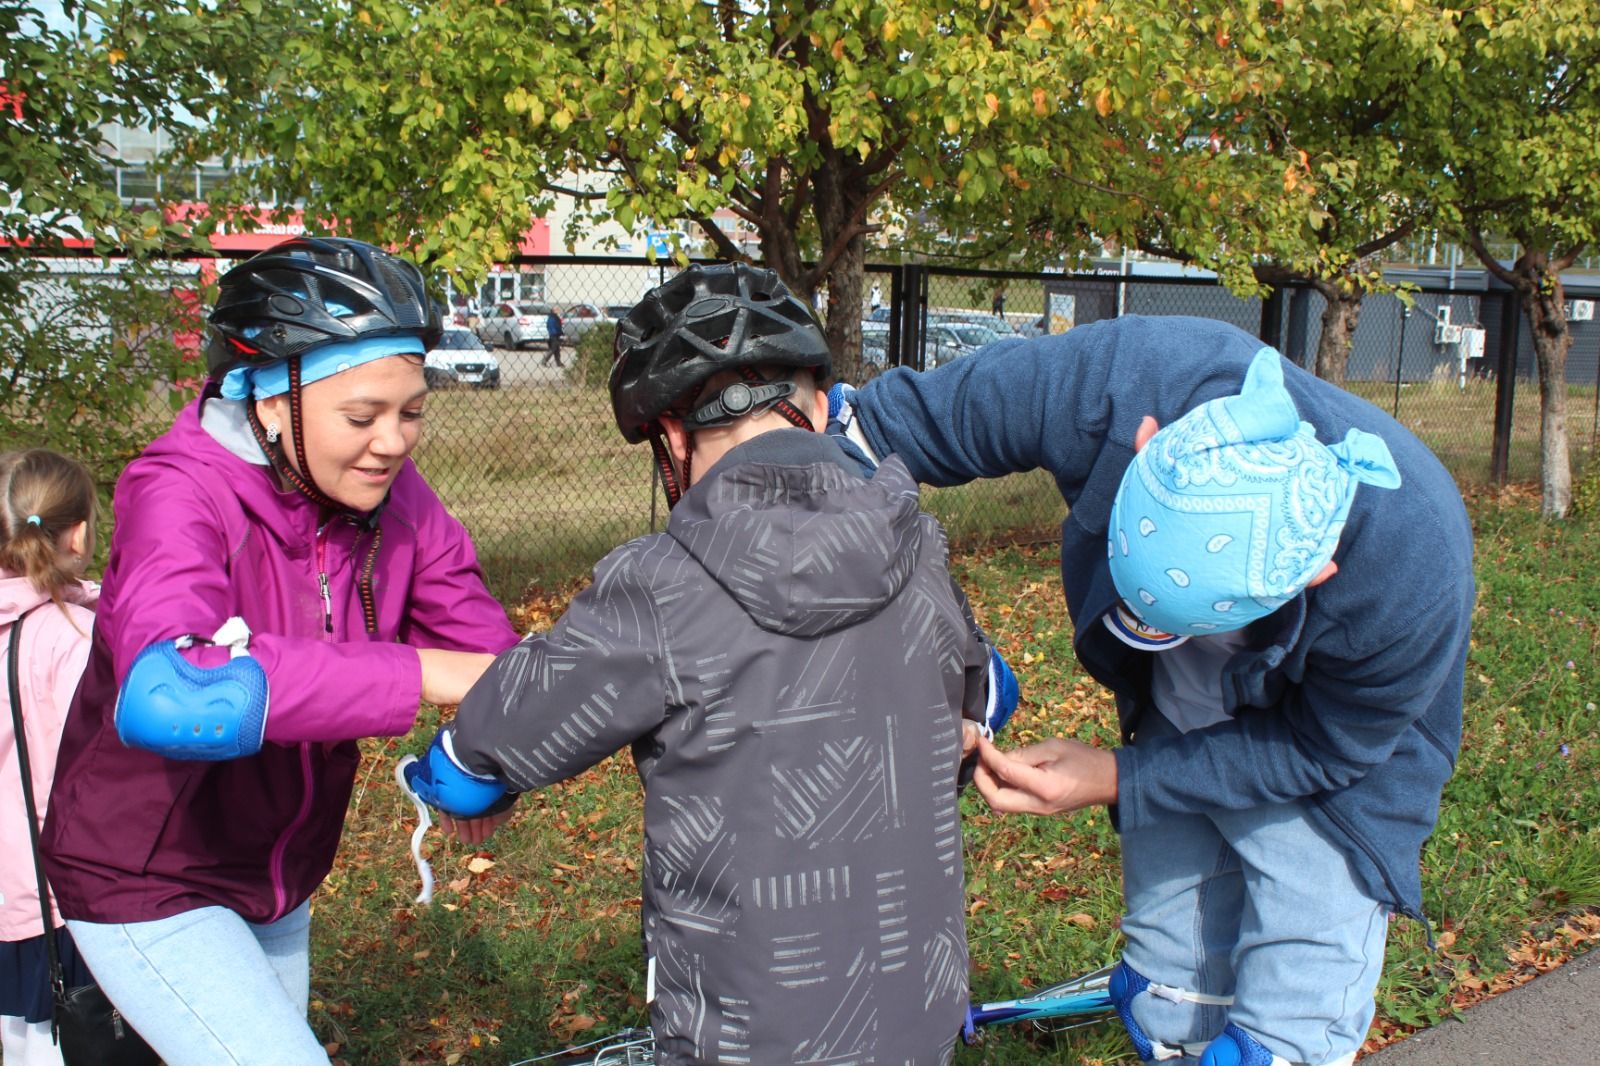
(515, 325)
(1000, 326)
(945, 341)
(578, 319)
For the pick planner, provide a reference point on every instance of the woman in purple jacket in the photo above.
(281, 582)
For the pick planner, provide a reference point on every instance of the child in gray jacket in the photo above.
(790, 661)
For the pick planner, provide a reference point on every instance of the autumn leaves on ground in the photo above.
(532, 942)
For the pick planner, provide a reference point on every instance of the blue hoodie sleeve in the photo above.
(1056, 402)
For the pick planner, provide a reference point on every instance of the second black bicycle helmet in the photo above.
(310, 291)
(706, 320)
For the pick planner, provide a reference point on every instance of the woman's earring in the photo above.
(272, 432)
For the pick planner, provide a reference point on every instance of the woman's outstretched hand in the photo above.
(447, 675)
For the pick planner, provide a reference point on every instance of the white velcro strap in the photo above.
(424, 823)
(233, 634)
(1183, 995)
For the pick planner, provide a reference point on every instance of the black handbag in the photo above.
(88, 1028)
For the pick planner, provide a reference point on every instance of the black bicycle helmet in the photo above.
(309, 291)
(707, 319)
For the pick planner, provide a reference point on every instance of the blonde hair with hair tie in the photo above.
(43, 496)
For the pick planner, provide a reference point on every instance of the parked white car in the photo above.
(461, 358)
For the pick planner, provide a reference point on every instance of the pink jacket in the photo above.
(55, 646)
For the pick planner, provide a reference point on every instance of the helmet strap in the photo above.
(304, 484)
(789, 411)
(669, 477)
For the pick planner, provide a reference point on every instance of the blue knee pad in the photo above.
(1235, 1047)
(1126, 982)
(175, 709)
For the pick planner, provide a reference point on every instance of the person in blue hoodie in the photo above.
(1274, 578)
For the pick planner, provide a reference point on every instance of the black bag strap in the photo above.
(58, 982)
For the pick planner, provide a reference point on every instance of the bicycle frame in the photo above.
(1085, 998)
(1081, 1001)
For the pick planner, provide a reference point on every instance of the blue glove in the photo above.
(1003, 694)
(444, 784)
(843, 429)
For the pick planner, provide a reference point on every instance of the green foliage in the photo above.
(820, 125)
(62, 85)
(90, 362)
(1514, 126)
(593, 360)
(85, 346)
(1586, 493)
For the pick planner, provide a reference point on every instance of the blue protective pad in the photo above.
(445, 785)
(1126, 982)
(1235, 1047)
(169, 706)
(1003, 693)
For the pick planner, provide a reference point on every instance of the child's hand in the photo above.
(969, 737)
(1051, 777)
(474, 830)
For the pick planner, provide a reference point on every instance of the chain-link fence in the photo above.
(520, 442)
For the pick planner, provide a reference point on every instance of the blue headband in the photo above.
(1233, 509)
(273, 380)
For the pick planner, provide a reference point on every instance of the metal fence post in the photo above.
(1505, 388)
(1400, 356)
(1271, 331)
(909, 294)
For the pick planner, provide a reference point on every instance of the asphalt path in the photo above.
(1552, 1020)
(523, 367)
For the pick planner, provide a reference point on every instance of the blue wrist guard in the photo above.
(444, 784)
(846, 433)
(178, 710)
(1003, 694)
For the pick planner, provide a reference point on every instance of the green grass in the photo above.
(1458, 423)
(537, 941)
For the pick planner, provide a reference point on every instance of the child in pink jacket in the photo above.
(47, 504)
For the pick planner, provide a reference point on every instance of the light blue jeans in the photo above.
(207, 988)
(1260, 905)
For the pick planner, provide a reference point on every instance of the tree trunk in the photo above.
(1538, 281)
(1551, 341)
(1339, 319)
(836, 206)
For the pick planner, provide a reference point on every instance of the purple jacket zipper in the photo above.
(279, 892)
(280, 901)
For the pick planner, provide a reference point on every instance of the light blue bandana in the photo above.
(259, 382)
(1232, 510)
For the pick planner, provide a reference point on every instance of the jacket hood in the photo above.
(800, 541)
(17, 595)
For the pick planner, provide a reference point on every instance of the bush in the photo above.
(592, 366)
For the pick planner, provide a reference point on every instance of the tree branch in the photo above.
(1493, 266)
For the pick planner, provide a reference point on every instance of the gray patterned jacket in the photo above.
(790, 661)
